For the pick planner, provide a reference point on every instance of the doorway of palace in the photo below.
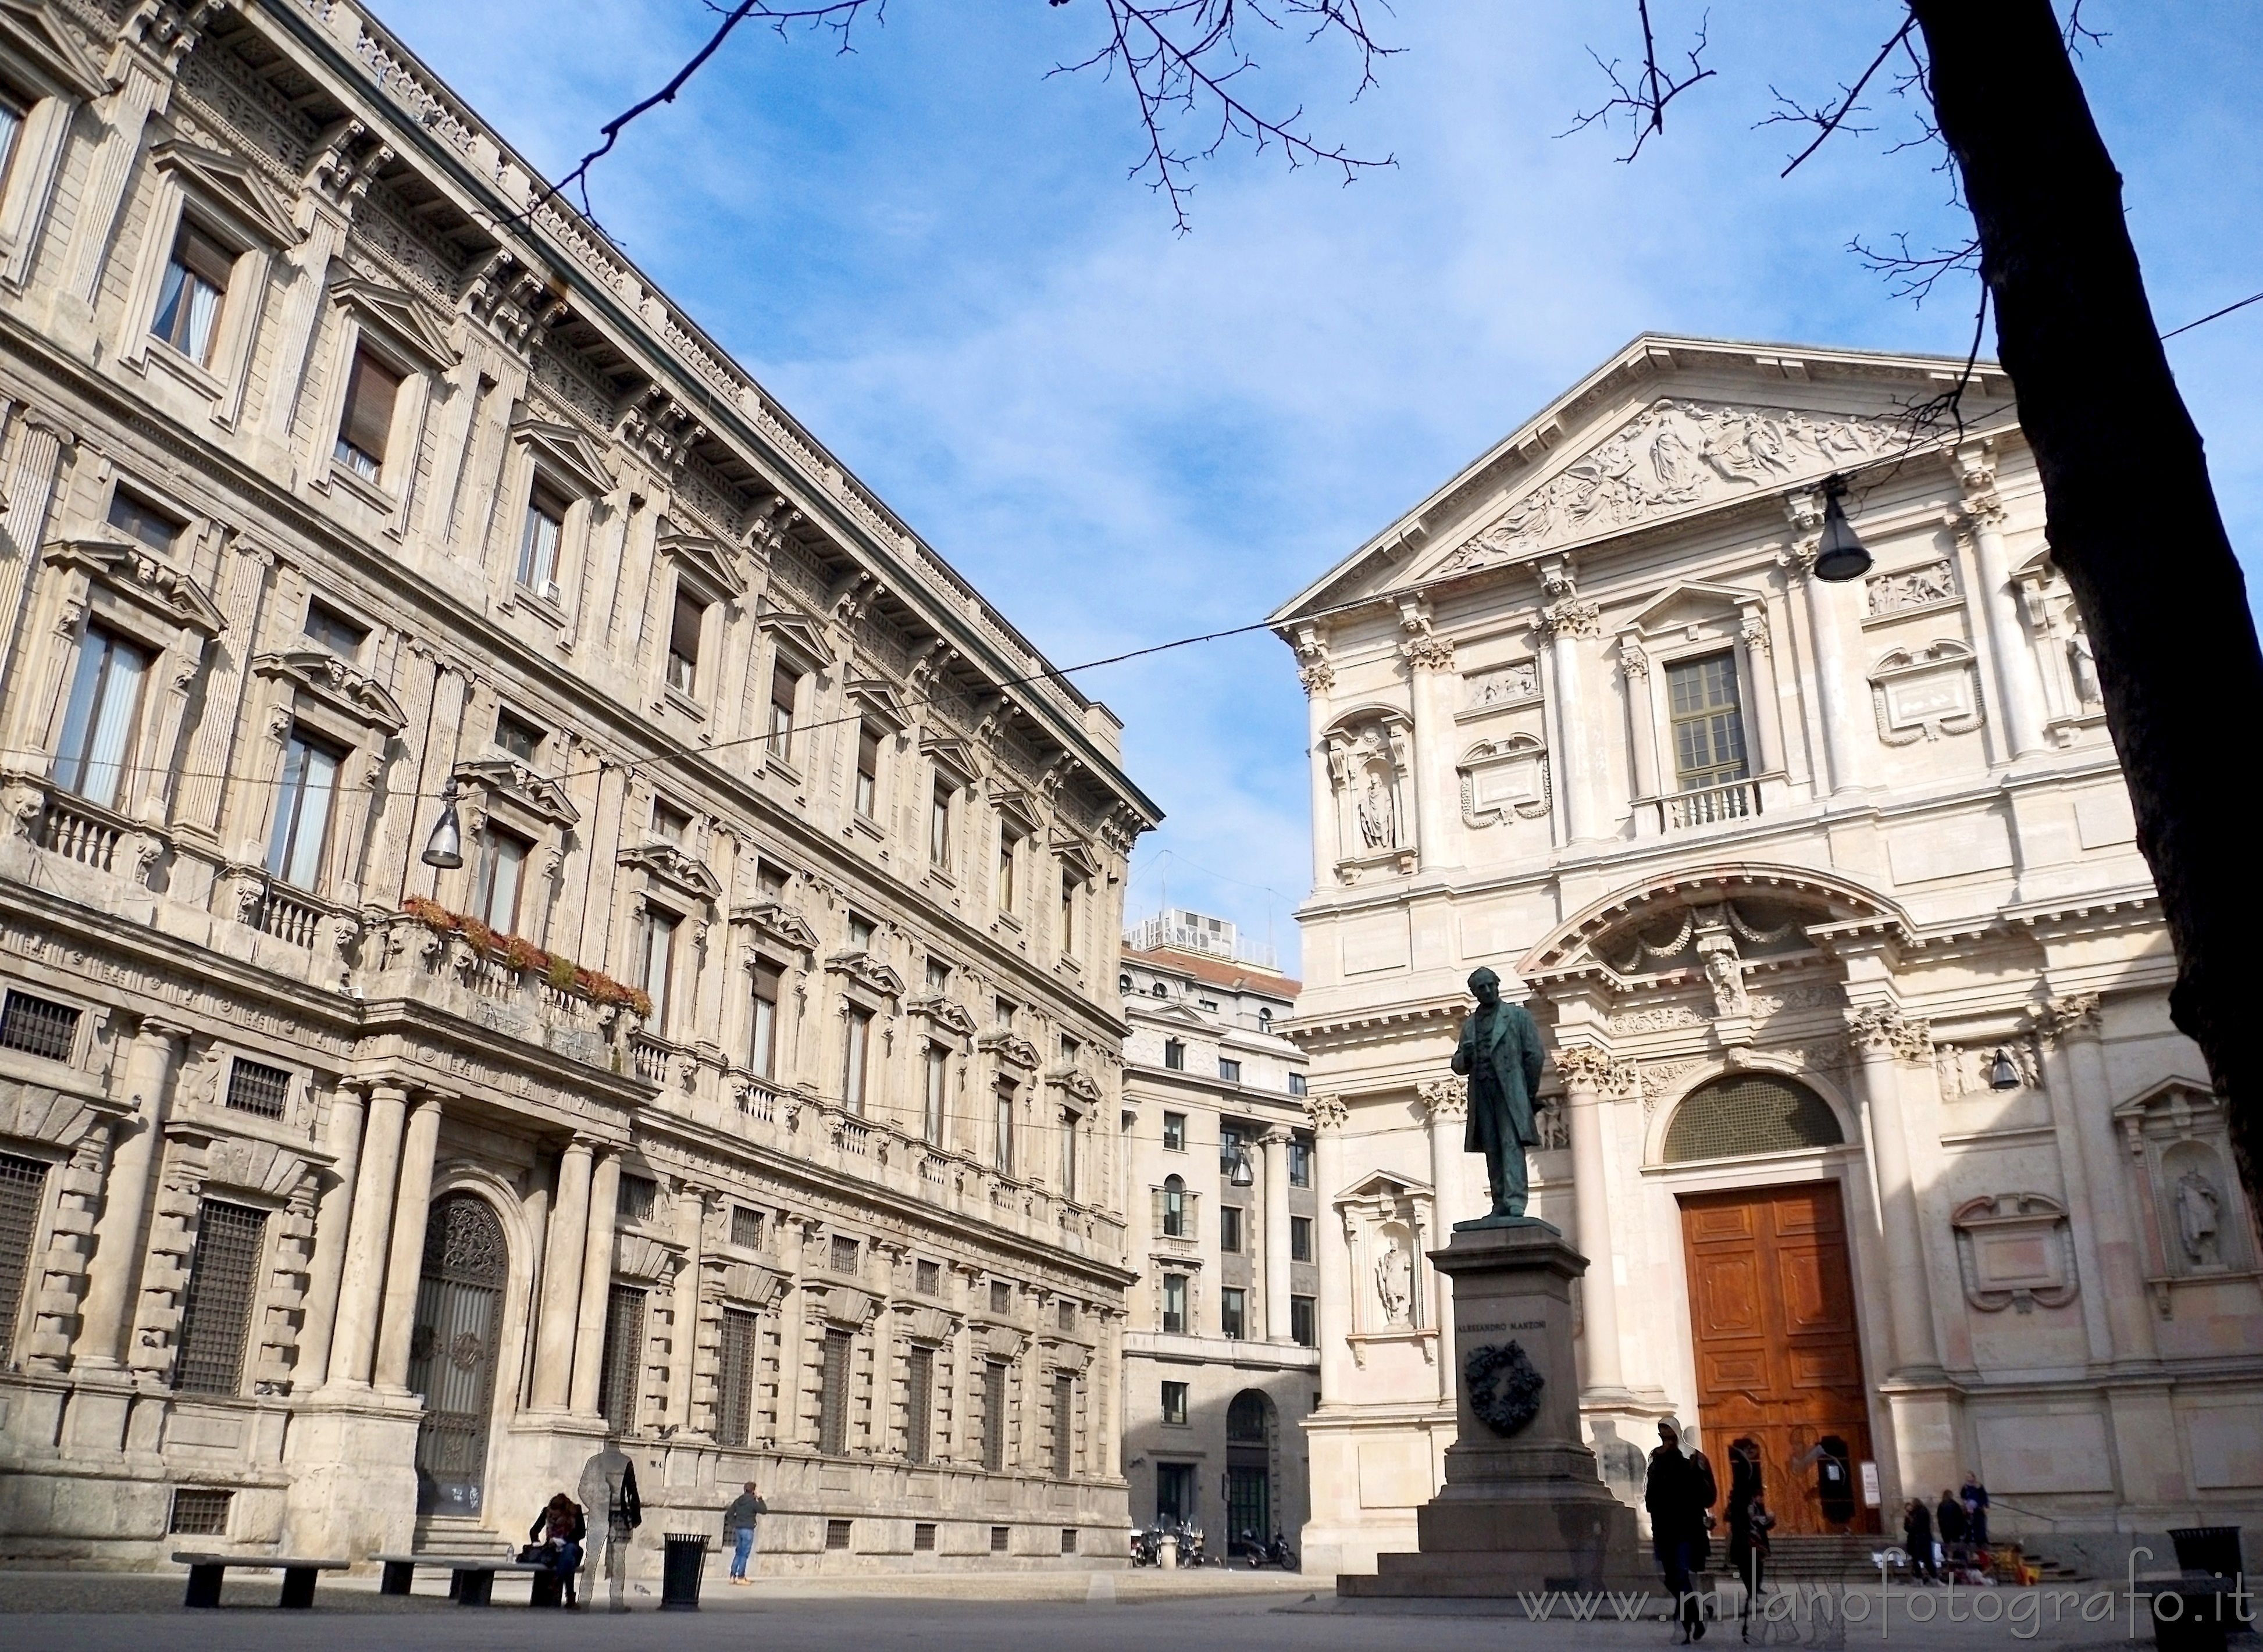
(451, 1353)
(1248, 1467)
(1779, 1357)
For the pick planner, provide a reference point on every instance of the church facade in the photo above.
(1866, 1107)
(534, 911)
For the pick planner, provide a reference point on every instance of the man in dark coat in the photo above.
(1677, 1496)
(1500, 1052)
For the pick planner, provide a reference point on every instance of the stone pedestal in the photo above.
(1524, 1508)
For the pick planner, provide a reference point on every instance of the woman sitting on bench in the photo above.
(560, 1529)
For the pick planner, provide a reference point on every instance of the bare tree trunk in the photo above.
(2133, 521)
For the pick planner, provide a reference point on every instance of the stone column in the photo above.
(1333, 1252)
(684, 1333)
(2016, 683)
(331, 1216)
(1448, 1104)
(404, 1273)
(1583, 1069)
(2074, 1020)
(107, 1309)
(561, 1280)
(31, 471)
(1875, 1032)
(1844, 719)
(1430, 664)
(1277, 1326)
(596, 1283)
(1642, 728)
(1562, 624)
(353, 1345)
(1768, 756)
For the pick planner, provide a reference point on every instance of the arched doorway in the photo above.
(1248, 1467)
(451, 1353)
(1778, 1352)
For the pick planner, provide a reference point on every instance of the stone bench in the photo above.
(207, 1572)
(470, 1581)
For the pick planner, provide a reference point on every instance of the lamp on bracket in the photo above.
(1841, 554)
(445, 849)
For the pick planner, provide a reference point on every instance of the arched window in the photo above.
(1264, 1017)
(1174, 1207)
(1124, 983)
(1746, 1113)
(1246, 1418)
(1160, 990)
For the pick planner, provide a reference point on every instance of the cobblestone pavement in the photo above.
(1018, 1612)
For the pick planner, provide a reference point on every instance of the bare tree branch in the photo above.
(1653, 87)
(1914, 276)
(1828, 118)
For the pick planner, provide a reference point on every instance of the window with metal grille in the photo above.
(746, 1228)
(623, 1357)
(216, 1310)
(1064, 1427)
(38, 1027)
(255, 1087)
(832, 1395)
(837, 1533)
(844, 1254)
(22, 1183)
(1002, 1297)
(1709, 724)
(924, 1537)
(993, 1415)
(735, 1418)
(1002, 1539)
(1749, 1113)
(919, 1402)
(1068, 1539)
(199, 1511)
(928, 1278)
(638, 1196)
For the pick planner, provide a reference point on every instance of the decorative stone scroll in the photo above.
(1504, 779)
(2015, 1251)
(1924, 693)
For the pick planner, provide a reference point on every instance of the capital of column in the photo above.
(1587, 1069)
(1328, 1114)
(1446, 1101)
(2073, 1015)
(1276, 1135)
(1882, 1032)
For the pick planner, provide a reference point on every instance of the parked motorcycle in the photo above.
(1146, 1546)
(1190, 1546)
(1258, 1552)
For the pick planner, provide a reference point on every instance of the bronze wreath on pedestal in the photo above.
(1504, 1386)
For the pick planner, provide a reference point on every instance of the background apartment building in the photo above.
(1221, 1364)
(740, 1087)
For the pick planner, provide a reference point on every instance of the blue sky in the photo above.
(929, 249)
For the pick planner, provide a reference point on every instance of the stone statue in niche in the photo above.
(1377, 829)
(2082, 666)
(1394, 1282)
(2200, 1208)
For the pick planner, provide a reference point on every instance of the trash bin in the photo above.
(686, 1557)
(2213, 1551)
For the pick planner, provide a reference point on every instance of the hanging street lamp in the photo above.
(445, 848)
(1841, 555)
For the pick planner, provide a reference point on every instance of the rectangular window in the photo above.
(1229, 1228)
(1229, 1309)
(733, 1422)
(832, 1395)
(761, 1050)
(1003, 1146)
(145, 524)
(670, 822)
(771, 879)
(23, 1185)
(503, 866)
(928, 1278)
(622, 1360)
(1068, 1539)
(12, 127)
(328, 628)
(860, 933)
(1229, 1147)
(1002, 1296)
(1300, 1160)
(658, 962)
(1174, 1402)
(1064, 1427)
(746, 1228)
(1709, 724)
(938, 975)
(868, 775)
(98, 721)
(1300, 1238)
(1002, 1539)
(539, 541)
(1295, 1084)
(1068, 1317)
(1008, 849)
(637, 1198)
(255, 1088)
(837, 1533)
(199, 1511)
(517, 736)
(938, 827)
(1175, 1208)
(38, 1026)
(1229, 1071)
(1209, 1003)
(924, 1537)
(1068, 1121)
(857, 1035)
(216, 1308)
(188, 302)
(302, 812)
(938, 1071)
(784, 688)
(1175, 1490)
(1175, 1055)
(1175, 1303)
(684, 642)
(371, 389)
(994, 1416)
(919, 1403)
(1304, 1322)
(1067, 913)
(844, 1254)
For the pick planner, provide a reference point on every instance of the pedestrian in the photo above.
(1917, 1538)
(1976, 1511)
(561, 1528)
(1677, 1502)
(609, 1483)
(1749, 1524)
(739, 1529)
(1950, 1523)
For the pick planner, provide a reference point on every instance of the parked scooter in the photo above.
(1258, 1552)
(1146, 1546)
(1190, 1546)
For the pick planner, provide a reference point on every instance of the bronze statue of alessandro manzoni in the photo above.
(1500, 1052)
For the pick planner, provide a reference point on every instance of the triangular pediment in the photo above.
(778, 921)
(671, 865)
(1074, 852)
(708, 561)
(1385, 1185)
(798, 636)
(1014, 804)
(1693, 603)
(879, 698)
(225, 185)
(1667, 428)
(345, 689)
(565, 450)
(150, 581)
(41, 50)
(954, 757)
(399, 318)
(538, 795)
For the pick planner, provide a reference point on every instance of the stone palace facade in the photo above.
(1868, 1113)
(746, 1094)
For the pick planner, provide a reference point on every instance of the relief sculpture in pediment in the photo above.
(1672, 454)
